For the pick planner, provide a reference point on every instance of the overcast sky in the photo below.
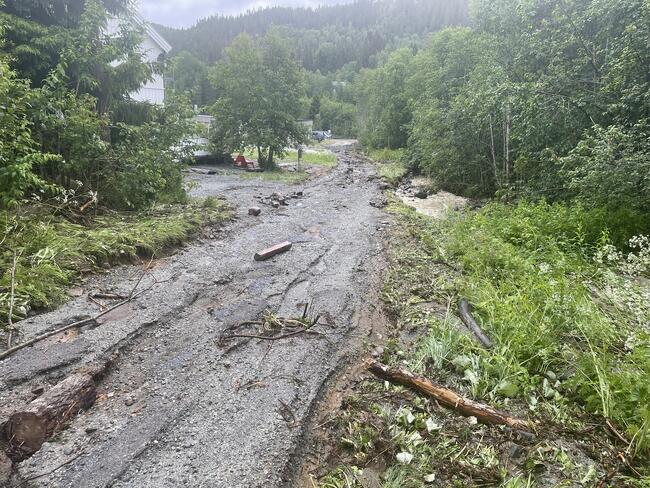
(184, 13)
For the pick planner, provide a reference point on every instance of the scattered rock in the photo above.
(76, 292)
(129, 401)
(384, 186)
(379, 202)
(275, 204)
(91, 430)
(254, 211)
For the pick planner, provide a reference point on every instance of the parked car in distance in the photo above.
(321, 135)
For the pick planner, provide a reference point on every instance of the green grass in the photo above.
(391, 163)
(279, 175)
(569, 316)
(317, 158)
(52, 251)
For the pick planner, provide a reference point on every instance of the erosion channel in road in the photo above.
(178, 408)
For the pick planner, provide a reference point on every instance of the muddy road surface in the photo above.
(176, 407)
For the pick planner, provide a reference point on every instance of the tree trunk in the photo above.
(494, 154)
(27, 429)
(447, 398)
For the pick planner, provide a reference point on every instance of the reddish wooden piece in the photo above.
(272, 251)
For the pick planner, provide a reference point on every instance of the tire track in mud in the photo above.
(178, 410)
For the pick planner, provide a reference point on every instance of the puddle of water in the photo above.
(436, 206)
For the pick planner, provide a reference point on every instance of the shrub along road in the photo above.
(178, 404)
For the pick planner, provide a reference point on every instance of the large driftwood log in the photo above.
(27, 429)
(446, 397)
(466, 316)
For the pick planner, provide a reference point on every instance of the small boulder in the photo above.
(254, 211)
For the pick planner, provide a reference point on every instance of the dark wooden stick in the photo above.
(465, 310)
(52, 471)
(54, 332)
(448, 398)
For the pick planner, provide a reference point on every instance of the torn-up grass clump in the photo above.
(568, 314)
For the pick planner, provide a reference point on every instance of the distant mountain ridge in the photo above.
(326, 38)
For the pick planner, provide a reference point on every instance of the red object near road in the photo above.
(242, 162)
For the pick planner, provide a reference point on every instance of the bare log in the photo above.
(27, 429)
(466, 316)
(446, 397)
(272, 251)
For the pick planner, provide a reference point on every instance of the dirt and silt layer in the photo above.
(177, 407)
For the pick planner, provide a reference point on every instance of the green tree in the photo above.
(260, 87)
(383, 103)
(19, 152)
(187, 74)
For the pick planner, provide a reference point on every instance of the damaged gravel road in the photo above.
(176, 408)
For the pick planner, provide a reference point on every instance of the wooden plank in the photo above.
(272, 251)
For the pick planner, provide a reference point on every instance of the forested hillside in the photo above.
(329, 37)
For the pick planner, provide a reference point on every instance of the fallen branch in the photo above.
(447, 398)
(54, 332)
(52, 471)
(107, 296)
(265, 338)
(466, 316)
(132, 296)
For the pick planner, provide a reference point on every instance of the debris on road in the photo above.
(254, 211)
(272, 251)
(448, 398)
(273, 328)
(379, 202)
(278, 199)
(27, 429)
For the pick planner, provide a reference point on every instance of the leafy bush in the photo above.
(19, 153)
(611, 168)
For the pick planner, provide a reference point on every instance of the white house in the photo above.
(153, 47)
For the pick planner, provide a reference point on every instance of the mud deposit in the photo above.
(176, 408)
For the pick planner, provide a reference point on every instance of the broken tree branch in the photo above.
(266, 338)
(448, 398)
(465, 310)
(54, 332)
(52, 471)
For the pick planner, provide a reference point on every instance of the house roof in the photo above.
(153, 33)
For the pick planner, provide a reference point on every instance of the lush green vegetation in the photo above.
(328, 37)
(543, 98)
(65, 88)
(568, 316)
(260, 88)
(309, 156)
(77, 155)
(52, 251)
(392, 164)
